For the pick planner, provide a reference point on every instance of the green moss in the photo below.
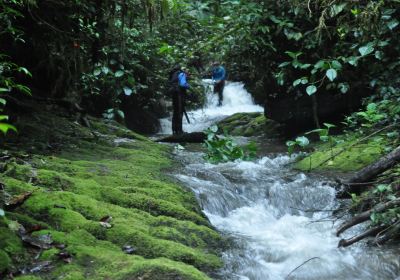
(27, 277)
(5, 261)
(248, 124)
(353, 158)
(93, 178)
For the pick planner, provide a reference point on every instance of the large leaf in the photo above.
(5, 127)
(331, 74)
(366, 50)
(119, 73)
(311, 89)
(128, 91)
(302, 141)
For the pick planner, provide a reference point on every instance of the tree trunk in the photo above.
(194, 137)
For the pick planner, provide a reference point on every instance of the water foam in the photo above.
(236, 100)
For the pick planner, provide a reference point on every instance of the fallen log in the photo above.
(370, 232)
(364, 216)
(356, 183)
(193, 137)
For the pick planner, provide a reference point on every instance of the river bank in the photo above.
(94, 204)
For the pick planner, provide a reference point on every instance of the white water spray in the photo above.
(236, 100)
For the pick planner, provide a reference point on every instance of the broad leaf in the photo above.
(302, 141)
(119, 73)
(331, 74)
(127, 91)
(311, 90)
(366, 50)
(5, 127)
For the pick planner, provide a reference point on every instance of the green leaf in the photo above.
(329, 125)
(344, 87)
(331, 74)
(119, 74)
(2, 214)
(24, 70)
(5, 89)
(3, 117)
(353, 60)
(296, 82)
(366, 50)
(121, 114)
(392, 24)
(97, 71)
(105, 70)
(214, 128)
(311, 89)
(336, 65)
(320, 64)
(293, 55)
(5, 127)
(3, 101)
(283, 64)
(302, 141)
(127, 91)
(379, 55)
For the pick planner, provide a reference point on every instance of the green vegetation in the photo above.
(224, 148)
(93, 177)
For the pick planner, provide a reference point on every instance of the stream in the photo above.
(263, 207)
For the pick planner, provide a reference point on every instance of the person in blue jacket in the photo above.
(178, 85)
(218, 76)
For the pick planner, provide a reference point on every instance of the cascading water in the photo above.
(263, 206)
(236, 99)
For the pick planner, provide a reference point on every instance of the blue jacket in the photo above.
(218, 73)
(182, 80)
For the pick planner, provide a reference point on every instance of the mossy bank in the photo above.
(95, 192)
(351, 152)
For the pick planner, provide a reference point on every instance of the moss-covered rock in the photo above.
(350, 157)
(92, 178)
(248, 124)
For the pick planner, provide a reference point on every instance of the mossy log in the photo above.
(367, 174)
(193, 137)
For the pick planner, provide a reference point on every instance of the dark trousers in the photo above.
(178, 103)
(219, 88)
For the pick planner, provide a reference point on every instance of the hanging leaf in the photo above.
(331, 74)
(5, 127)
(128, 91)
(311, 90)
(119, 74)
(366, 50)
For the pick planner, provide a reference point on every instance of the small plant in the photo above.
(300, 141)
(324, 135)
(371, 116)
(224, 149)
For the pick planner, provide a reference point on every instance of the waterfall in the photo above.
(236, 99)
